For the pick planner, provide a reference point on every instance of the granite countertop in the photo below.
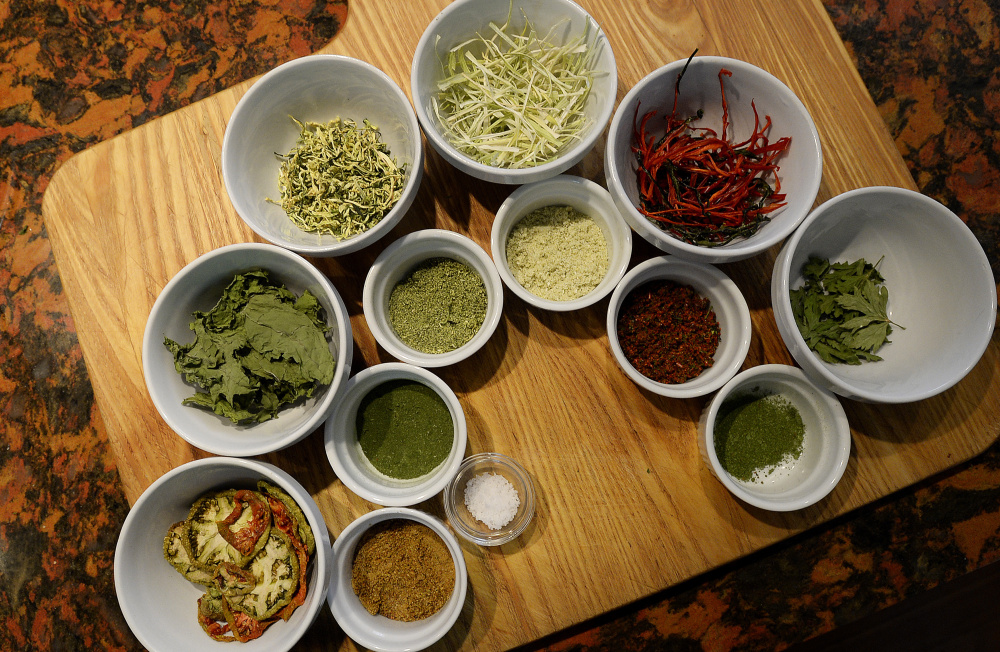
(74, 74)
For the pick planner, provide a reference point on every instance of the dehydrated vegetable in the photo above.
(251, 550)
(259, 349)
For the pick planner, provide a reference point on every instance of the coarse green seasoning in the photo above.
(339, 179)
(439, 306)
(557, 253)
(754, 433)
(404, 428)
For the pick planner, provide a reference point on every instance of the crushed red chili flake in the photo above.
(668, 331)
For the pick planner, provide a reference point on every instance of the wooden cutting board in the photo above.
(626, 507)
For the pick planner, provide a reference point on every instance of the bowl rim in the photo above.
(807, 359)
(666, 267)
(323, 556)
(493, 174)
(339, 602)
(826, 400)
(562, 185)
(343, 340)
(725, 253)
(436, 241)
(335, 434)
(414, 176)
(451, 495)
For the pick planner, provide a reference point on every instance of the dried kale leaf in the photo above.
(258, 350)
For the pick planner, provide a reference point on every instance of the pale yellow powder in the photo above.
(557, 253)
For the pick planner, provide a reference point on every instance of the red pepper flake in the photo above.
(668, 331)
(697, 185)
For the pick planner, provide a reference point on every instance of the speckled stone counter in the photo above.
(75, 73)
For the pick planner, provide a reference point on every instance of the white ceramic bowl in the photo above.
(316, 88)
(378, 632)
(395, 263)
(800, 168)
(350, 463)
(199, 286)
(461, 518)
(160, 605)
(730, 309)
(941, 290)
(583, 195)
(462, 20)
(826, 447)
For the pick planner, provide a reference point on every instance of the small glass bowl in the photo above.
(458, 514)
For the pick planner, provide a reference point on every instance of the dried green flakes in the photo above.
(339, 179)
(259, 349)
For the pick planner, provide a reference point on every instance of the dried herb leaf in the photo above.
(258, 350)
(842, 310)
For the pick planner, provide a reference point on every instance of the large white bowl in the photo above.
(198, 286)
(941, 290)
(348, 460)
(160, 605)
(378, 632)
(731, 311)
(800, 168)
(316, 88)
(583, 195)
(826, 446)
(462, 20)
(397, 261)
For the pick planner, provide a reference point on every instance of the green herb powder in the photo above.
(439, 307)
(755, 433)
(557, 253)
(404, 429)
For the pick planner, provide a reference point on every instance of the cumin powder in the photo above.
(402, 570)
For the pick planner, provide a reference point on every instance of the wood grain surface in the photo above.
(625, 505)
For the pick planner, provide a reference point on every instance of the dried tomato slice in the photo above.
(245, 534)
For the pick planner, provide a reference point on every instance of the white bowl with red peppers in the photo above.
(799, 167)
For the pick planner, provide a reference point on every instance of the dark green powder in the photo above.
(755, 432)
(404, 428)
(439, 307)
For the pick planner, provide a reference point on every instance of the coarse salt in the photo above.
(492, 499)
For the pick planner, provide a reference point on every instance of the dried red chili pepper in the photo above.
(700, 187)
(668, 331)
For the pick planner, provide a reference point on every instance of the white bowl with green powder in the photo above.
(287, 144)
(433, 298)
(775, 439)
(482, 118)
(398, 434)
(560, 244)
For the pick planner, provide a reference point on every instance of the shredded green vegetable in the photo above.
(338, 179)
(515, 100)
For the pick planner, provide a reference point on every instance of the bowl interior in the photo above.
(461, 21)
(825, 447)
(379, 632)
(316, 88)
(159, 604)
(800, 168)
(349, 461)
(462, 519)
(730, 309)
(941, 291)
(199, 286)
(398, 260)
(583, 195)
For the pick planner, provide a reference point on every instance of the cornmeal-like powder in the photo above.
(557, 253)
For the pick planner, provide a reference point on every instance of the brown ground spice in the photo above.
(402, 570)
